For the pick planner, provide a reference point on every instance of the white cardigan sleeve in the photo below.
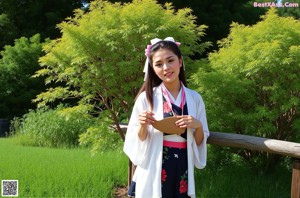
(134, 148)
(200, 151)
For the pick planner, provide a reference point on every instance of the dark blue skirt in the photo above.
(174, 174)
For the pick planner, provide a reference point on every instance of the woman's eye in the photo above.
(170, 61)
(158, 65)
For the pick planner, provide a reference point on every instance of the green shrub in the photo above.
(101, 137)
(50, 128)
(17, 63)
(251, 84)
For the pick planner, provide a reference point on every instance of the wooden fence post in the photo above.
(131, 169)
(295, 191)
(129, 178)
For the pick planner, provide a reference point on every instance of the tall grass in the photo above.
(48, 127)
(49, 172)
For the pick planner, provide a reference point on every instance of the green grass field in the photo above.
(238, 181)
(45, 172)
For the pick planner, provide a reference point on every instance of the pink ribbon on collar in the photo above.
(169, 99)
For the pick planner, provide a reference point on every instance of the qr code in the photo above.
(9, 188)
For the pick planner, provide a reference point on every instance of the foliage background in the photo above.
(103, 48)
(17, 65)
(25, 18)
(251, 84)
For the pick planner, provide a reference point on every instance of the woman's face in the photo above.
(166, 65)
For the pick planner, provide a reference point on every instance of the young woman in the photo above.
(165, 161)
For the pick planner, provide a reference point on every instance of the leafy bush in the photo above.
(101, 136)
(251, 85)
(50, 128)
(17, 64)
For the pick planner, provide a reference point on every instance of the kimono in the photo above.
(147, 154)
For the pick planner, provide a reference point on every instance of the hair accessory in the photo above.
(148, 50)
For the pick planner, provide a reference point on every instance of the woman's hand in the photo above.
(146, 118)
(187, 121)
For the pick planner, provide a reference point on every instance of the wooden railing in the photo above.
(285, 148)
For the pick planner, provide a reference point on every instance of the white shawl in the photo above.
(147, 154)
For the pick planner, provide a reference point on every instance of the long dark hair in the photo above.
(152, 80)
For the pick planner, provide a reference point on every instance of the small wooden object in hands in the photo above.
(167, 125)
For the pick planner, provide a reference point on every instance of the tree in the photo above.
(7, 30)
(251, 85)
(100, 56)
(18, 64)
(29, 17)
(289, 8)
(219, 14)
